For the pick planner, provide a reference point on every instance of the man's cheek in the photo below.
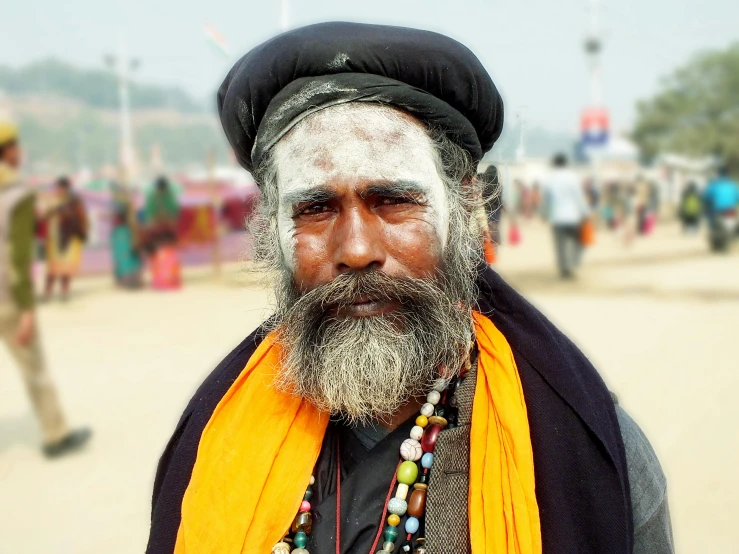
(415, 244)
(312, 266)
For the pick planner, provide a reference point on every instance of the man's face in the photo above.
(373, 303)
(359, 190)
(12, 155)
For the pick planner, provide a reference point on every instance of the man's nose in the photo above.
(357, 243)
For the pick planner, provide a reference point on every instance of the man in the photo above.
(402, 398)
(567, 208)
(18, 329)
(721, 194)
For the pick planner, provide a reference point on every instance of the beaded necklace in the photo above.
(437, 413)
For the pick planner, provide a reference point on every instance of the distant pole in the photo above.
(122, 66)
(593, 50)
(521, 150)
(216, 204)
(284, 15)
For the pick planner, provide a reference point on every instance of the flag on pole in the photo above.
(216, 39)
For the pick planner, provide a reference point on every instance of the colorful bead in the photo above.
(427, 460)
(301, 539)
(417, 432)
(411, 450)
(303, 522)
(422, 421)
(438, 420)
(402, 491)
(393, 520)
(391, 534)
(388, 546)
(430, 435)
(411, 525)
(417, 503)
(420, 486)
(300, 551)
(305, 506)
(407, 472)
(312, 480)
(427, 409)
(397, 506)
(433, 397)
(281, 548)
(308, 494)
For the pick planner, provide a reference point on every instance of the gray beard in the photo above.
(366, 368)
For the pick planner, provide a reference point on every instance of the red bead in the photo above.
(430, 435)
(305, 506)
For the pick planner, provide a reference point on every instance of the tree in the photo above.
(697, 111)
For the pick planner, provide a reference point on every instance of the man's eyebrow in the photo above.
(403, 188)
(316, 194)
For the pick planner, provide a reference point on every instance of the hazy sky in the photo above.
(532, 48)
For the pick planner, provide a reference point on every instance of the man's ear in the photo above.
(472, 189)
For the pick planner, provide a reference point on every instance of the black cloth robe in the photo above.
(582, 486)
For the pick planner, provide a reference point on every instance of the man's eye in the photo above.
(393, 200)
(312, 209)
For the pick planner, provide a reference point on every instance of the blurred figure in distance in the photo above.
(66, 236)
(127, 265)
(721, 194)
(161, 214)
(567, 209)
(691, 207)
(18, 328)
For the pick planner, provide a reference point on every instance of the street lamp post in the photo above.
(122, 66)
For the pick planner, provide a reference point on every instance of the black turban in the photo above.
(432, 77)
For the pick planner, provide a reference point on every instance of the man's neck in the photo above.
(405, 412)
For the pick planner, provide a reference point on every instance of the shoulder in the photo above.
(647, 481)
(222, 377)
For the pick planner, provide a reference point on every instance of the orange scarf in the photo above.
(259, 448)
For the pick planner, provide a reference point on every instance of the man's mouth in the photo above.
(367, 306)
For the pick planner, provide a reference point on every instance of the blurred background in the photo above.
(642, 98)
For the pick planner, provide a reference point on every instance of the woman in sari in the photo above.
(127, 264)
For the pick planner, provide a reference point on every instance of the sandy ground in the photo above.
(660, 320)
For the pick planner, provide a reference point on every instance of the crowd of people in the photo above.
(57, 221)
(575, 207)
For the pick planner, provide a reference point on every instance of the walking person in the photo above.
(18, 328)
(67, 233)
(567, 209)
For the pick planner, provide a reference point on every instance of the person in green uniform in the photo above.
(18, 327)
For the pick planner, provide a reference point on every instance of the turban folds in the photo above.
(432, 77)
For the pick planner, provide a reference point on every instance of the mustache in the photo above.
(350, 288)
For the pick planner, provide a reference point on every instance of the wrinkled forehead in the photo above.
(355, 142)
